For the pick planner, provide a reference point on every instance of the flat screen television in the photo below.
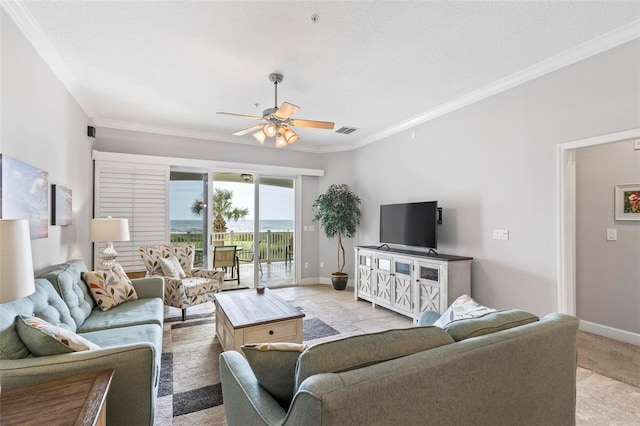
(411, 224)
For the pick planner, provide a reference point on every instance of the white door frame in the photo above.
(566, 222)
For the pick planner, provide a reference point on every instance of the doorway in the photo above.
(277, 225)
(566, 219)
(256, 214)
(188, 212)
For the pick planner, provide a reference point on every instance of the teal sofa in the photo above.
(129, 336)
(508, 369)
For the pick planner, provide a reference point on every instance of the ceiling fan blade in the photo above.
(253, 117)
(248, 130)
(312, 123)
(286, 110)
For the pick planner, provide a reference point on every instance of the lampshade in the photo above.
(289, 135)
(260, 136)
(16, 266)
(270, 130)
(280, 141)
(109, 230)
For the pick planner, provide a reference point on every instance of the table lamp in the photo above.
(109, 230)
(16, 265)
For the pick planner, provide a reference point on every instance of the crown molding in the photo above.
(191, 134)
(583, 51)
(26, 23)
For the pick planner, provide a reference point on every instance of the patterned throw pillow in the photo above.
(42, 338)
(274, 365)
(110, 287)
(463, 307)
(171, 267)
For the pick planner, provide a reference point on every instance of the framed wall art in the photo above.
(24, 194)
(60, 205)
(627, 202)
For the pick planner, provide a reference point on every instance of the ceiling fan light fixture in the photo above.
(260, 136)
(270, 130)
(290, 136)
(280, 141)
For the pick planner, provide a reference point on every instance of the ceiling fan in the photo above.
(278, 121)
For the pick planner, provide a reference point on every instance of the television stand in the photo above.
(410, 282)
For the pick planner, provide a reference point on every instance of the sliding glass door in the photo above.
(188, 212)
(277, 225)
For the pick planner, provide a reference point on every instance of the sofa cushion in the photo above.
(44, 303)
(137, 334)
(367, 349)
(195, 286)
(274, 365)
(134, 312)
(461, 308)
(65, 278)
(171, 267)
(110, 287)
(42, 338)
(489, 323)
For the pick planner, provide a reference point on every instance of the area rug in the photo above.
(190, 392)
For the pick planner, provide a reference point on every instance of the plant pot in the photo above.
(339, 280)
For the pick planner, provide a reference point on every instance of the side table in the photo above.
(73, 400)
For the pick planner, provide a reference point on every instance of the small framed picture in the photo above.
(60, 205)
(627, 200)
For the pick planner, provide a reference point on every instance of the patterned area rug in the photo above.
(190, 392)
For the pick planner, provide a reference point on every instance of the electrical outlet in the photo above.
(636, 144)
(306, 265)
(501, 234)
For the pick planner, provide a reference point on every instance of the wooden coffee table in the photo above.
(244, 316)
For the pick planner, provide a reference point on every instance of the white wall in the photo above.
(42, 125)
(492, 166)
(607, 272)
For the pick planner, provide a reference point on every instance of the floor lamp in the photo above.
(109, 230)
(16, 265)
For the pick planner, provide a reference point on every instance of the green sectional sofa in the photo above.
(129, 336)
(507, 369)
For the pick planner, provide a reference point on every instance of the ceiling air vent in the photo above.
(346, 130)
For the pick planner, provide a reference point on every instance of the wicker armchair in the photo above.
(196, 287)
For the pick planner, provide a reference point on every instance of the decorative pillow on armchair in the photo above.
(42, 338)
(463, 307)
(171, 267)
(110, 287)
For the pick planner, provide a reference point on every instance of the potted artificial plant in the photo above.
(338, 212)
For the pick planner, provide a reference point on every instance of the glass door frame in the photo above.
(297, 227)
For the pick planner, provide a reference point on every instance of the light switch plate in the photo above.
(636, 144)
(501, 234)
(612, 234)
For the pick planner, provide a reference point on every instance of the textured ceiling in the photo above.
(381, 67)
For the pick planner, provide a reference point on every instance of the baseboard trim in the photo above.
(610, 332)
(323, 280)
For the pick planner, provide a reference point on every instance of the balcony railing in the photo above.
(273, 244)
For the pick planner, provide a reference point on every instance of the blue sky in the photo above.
(277, 203)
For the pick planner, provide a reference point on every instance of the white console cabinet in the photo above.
(409, 282)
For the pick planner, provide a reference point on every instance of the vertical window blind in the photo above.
(140, 193)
